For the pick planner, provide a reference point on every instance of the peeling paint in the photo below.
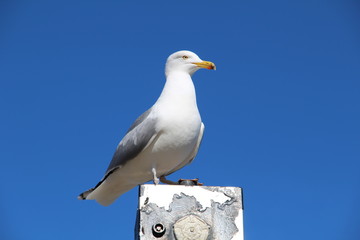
(221, 208)
(160, 195)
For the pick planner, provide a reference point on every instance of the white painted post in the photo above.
(177, 212)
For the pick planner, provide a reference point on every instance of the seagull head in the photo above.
(186, 61)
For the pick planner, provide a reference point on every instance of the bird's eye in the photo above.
(185, 57)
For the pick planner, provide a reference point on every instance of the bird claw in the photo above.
(156, 181)
(164, 180)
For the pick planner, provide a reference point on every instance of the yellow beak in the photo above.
(205, 64)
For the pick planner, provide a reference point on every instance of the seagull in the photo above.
(162, 140)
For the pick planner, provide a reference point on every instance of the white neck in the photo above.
(178, 89)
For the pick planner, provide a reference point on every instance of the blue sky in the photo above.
(281, 112)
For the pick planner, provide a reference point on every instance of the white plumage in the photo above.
(163, 139)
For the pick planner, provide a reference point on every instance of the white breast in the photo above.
(179, 122)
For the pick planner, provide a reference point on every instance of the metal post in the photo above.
(176, 212)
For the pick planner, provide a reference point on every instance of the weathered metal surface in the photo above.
(191, 227)
(189, 212)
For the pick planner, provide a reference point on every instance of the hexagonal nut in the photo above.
(191, 227)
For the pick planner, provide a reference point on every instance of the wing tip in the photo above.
(83, 196)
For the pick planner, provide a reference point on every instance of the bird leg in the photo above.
(155, 178)
(164, 180)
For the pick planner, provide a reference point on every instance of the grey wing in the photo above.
(135, 140)
(139, 135)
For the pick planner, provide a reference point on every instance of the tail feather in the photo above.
(106, 193)
(109, 188)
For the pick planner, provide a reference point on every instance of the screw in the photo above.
(158, 230)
